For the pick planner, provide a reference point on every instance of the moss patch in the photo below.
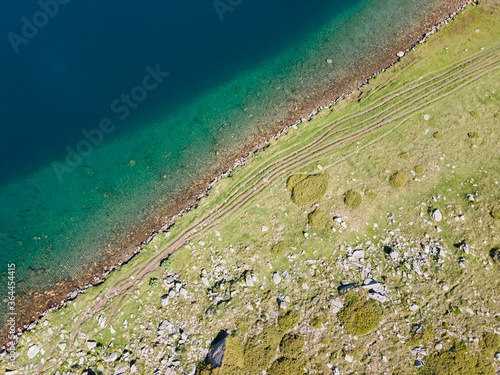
(398, 179)
(456, 361)
(352, 199)
(309, 190)
(437, 135)
(370, 193)
(419, 169)
(495, 214)
(291, 345)
(289, 320)
(317, 219)
(286, 366)
(360, 316)
(294, 180)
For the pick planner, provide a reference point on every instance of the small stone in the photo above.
(113, 357)
(276, 277)
(446, 288)
(358, 255)
(120, 370)
(249, 280)
(62, 347)
(91, 345)
(426, 117)
(400, 54)
(217, 233)
(438, 346)
(377, 297)
(418, 363)
(264, 228)
(164, 300)
(418, 351)
(329, 61)
(33, 350)
(349, 359)
(183, 292)
(437, 215)
(414, 307)
(497, 356)
(337, 219)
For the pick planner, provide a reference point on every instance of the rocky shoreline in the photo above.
(34, 306)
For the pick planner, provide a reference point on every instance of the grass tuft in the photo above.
(398, 179)
(352, 199)
(360, 316)
(317, 219)
(309, 190)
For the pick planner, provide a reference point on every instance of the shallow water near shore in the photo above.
(81, 174)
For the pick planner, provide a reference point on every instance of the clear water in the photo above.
(228, 82)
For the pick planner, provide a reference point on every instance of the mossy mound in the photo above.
(398, 179)
(370, 193)
(437, 135)
(352, 199)
(309, 190)
(203, 369)
(291, 345)
(317, 322)
(474, 113)
(419, 169)
(317, 219)
(495, 214)
(278, 248)
(404, 155)
(490, 341)
(289, 320)
(456, 361)
(359, 316)
(294, 180)
(286, 366)
(473, 135)
(258, 356)
(233, 360)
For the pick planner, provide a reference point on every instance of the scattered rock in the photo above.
(414, 307)
(401, 54)
(418, 351)
(33, 350)
(120, 370)
(91, 345)
(437, 215)
(276, 277)
(357, 255)
(113, 357)
(336, 306)
(249, 280)
(164, 300)
(349, 358)
(438, 346)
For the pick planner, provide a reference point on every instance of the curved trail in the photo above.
(254, 184)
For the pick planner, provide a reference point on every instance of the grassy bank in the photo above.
(405, 194)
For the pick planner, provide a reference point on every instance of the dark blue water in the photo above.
(65, 78)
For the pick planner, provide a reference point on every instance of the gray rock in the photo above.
(438, 346)
(166, 327)
(91, 345)
(418, 363)
(164, 300)
(120, 370)
(377, 297)
(336, 306)
(249, 280)
(276, 277)
(414, 307)
(497, 356)
(216, 351)
(33, 350)
(113, 357)
(418, 351)
(373, 286)
(437, 215)
(400, 54)
(343, 289)
(358, 255)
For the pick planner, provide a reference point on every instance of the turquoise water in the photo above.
(67, 201)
